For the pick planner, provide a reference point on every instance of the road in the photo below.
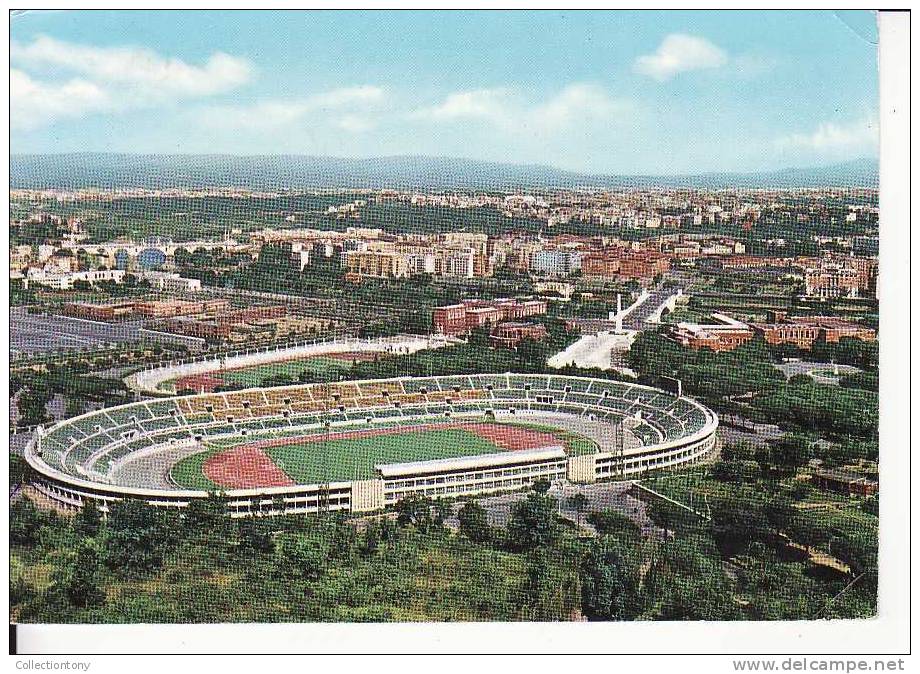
(636, 318)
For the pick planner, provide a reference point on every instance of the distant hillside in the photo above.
(71, 171)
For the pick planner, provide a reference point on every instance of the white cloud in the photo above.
(489, 104)
(136, 67)
(355, 123)
(347, 96)
(835, 139)
(73, 80)
(680, 53)
(578, 102)
(506, 108)
(34, 104)
(350, 108)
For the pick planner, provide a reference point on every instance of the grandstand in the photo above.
(130, 450)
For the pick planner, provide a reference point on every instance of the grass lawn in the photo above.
(188, 474)
(696, 487)
(254, 376)
(355, 458)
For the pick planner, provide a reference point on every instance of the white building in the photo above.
(65, 281)
(171, 282)
(552, 262)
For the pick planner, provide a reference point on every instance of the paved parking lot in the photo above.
(41, 333)
(38, 333)
(823, 373)
(601, 496)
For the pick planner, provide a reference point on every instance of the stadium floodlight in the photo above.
(680, 384)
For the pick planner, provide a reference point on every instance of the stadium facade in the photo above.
(636, 429)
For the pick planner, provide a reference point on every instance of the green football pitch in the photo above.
(257, 374)
(355, 458)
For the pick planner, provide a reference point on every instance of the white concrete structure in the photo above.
(593, 351)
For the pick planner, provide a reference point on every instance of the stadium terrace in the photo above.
(360, 446)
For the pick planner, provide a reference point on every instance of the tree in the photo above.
(686, 582)
(32, 404)
(779, 512)
(550, 586)
(479, 337)
(736, 524)
(532, 355)
(138, 537)
(415, 510)
(736, 471)
(578, 502)
(613, 523)
(791, 452)
(533, 522)
(255, 535)
(301, 555)
(88, 521)
(19, 469)
(79, 578)
(25, 522)
(607, 590)
(474, 523)
(370, 541)
(442, 509)
(207, 515)
(541, 486)
(738, 451)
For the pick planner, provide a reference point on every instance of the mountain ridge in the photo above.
(126, 171)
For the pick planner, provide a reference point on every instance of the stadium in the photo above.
(360, 446)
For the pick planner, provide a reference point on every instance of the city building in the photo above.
(512, 333)
(845, 482)
(841, 277)
(450, 320)
(724, 335)
(361, 264)
(106, 311)
(803, 331)
(459, 319)
(167, 308)
(170, 282)
(622, 265)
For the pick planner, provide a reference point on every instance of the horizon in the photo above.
(829, 167)
(433, 157)
(603, 93)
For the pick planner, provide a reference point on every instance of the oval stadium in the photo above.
(360, 446)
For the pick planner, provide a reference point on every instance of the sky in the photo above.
(601, 92)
